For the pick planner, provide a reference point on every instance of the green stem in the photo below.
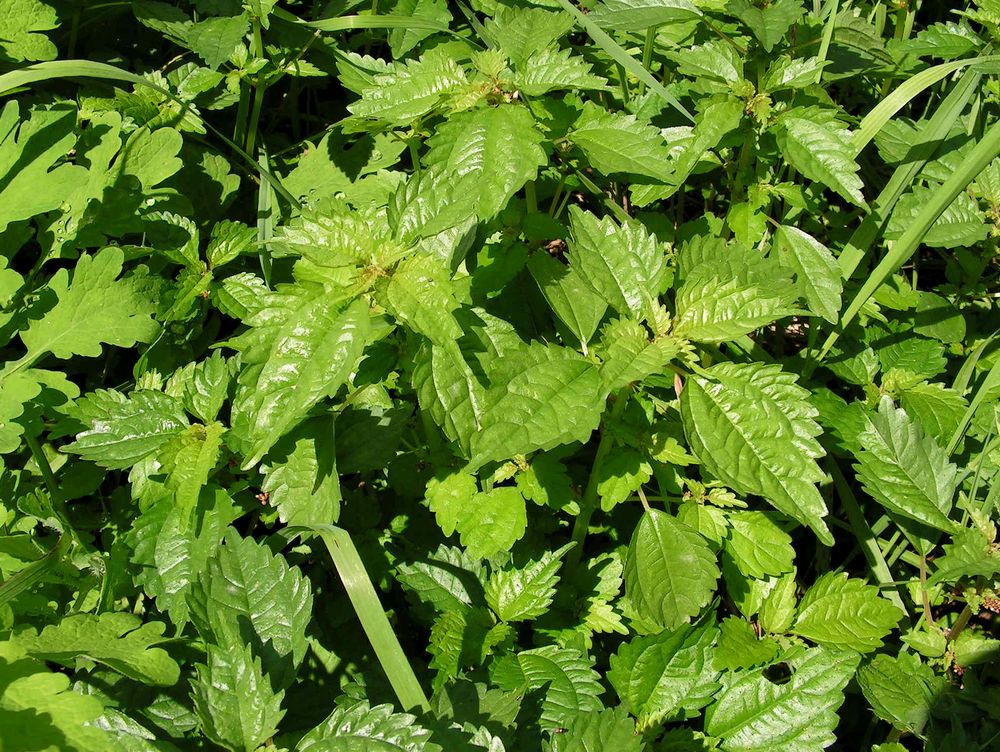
(43, 466)
(647, 55)
(555, 196)
(258, 89)
(530, 199)
(960, 624)
(590, 498)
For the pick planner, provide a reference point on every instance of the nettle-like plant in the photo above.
(499, 375)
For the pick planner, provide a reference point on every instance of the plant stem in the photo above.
(258, 89)
(960, 624)
(928, 616)
(589, 502)
(43, 466)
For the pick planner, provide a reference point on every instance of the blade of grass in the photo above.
(617, 53)
(903, 94)
(39, 72)
(977, 160)
(367, 606)
(989, 384)
(265, 222)
(349, 23)
(23, 579)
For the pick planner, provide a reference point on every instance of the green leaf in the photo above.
(203, 386)
(421, 295)
(124, 429)
(640, 15)
(17, 390)
(751, 713)
(447, 388)
(816, 270)
(901, 690)
(94, 308)
(463, 639)
(739, 648)
(629, 355)
(770, 24)
(727, 291)
(487, 521)
(539, 397)
(571, 684)
(605, 729)
(935, 407)
(753, 428)
(617, 143)
(19, 27)
(247, 594)
(624, 264)
(410, 89)
(488, 153)
(307, 357)
(403, 40)
(906, 472)
(620, 475)
(118, 640)
(520, 32)
(819, 147)
(39, 710)
(448, 579)
(843, 612)
(301, 475)
(757, 545)
(660, 675)
(523, 593)
(970, 554)
(715, 62)
(960, 225)
(552, 69)
(670, 571)
(358, 726)
(215, 40)
(234, 701)
(568, 294)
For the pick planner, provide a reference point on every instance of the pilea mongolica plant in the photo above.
(448, 376)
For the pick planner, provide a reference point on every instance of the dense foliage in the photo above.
(483, 375)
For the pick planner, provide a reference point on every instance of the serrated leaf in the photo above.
(403, 40)
(17, 390)
(960, 225)
(247, 594)
(739, 648)
(816, 270)
(94, 308)
(727, 291)
(552, 69)
(903, 470)
(752, 714)
(605, 729)
(449, 579)
(970, 554)
(233, 698)
(215, 39)
(757, 545)
(118, 640)
(901, 690)
(714, 62)
(359, 726)
(463, 639)
(489, 153)
(670, 571)
(540, 397)
(770, 24)
(659, 675)
(937, 408)
(523, 593)
(753, 428)
(487, 521)
(520, 32)
(408, 90)
(843, 612)
(306, 358)
(570, 297)
(624, 264)
(124, 429)
(301, 475)
(640, 15)
(819, 147)
(448, 389)
(571, 684)
(617, 143)
(622, 473)
(629, 354)
(203, 386)
(420, 295)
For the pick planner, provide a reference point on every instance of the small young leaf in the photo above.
(522, 593)
(816, 270)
